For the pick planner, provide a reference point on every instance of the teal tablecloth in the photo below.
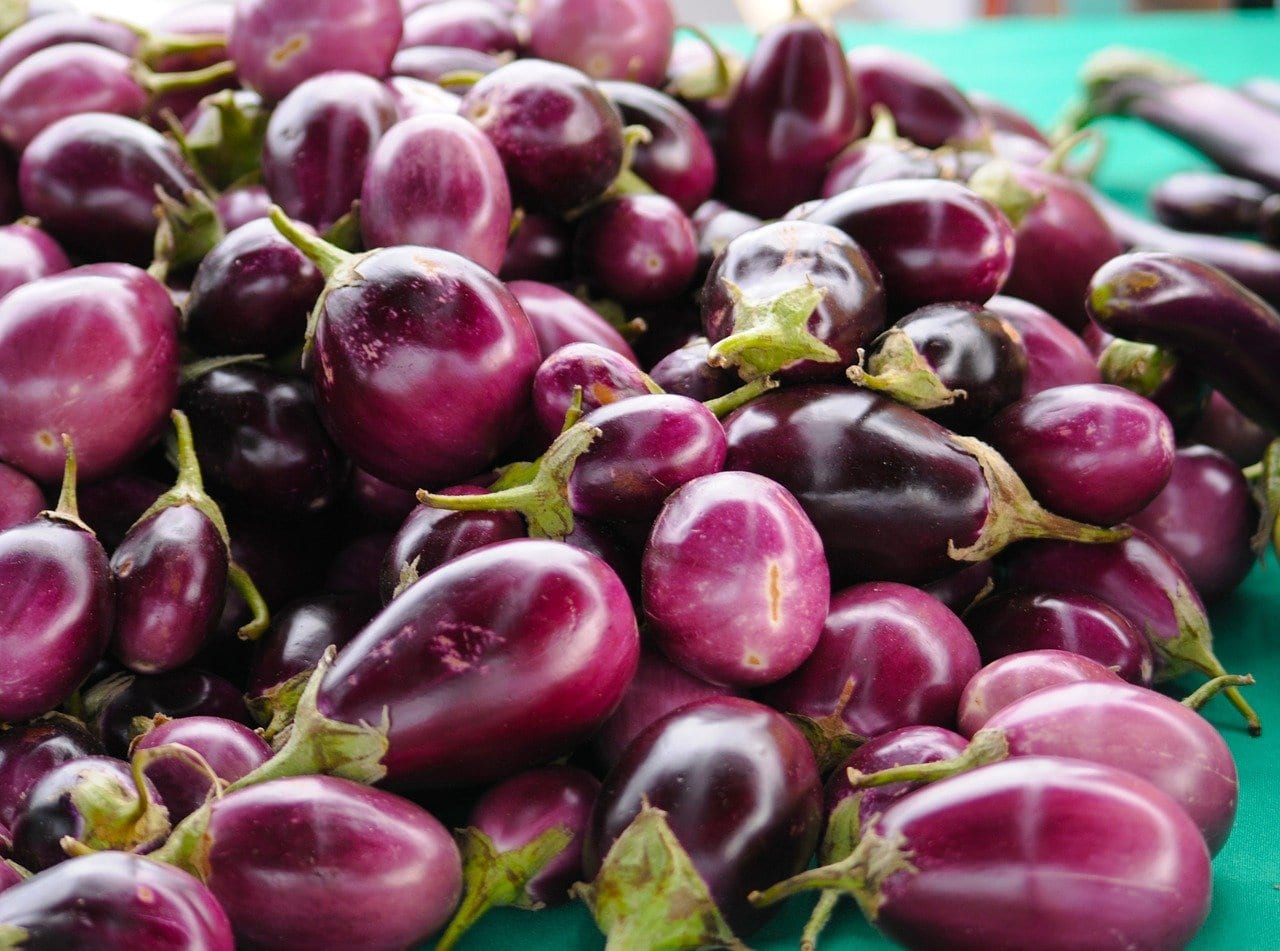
(1032, 65)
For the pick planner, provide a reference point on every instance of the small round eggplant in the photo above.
(687, 371)
(20, 498)
(1014, 621)
(1008, 679)
(735, 585)
(113, 705)
(726, 792)
(604, 377)
(39, 33)
(28, 752)
(558, 319)
(366, 870)
(1156, 375)
(1223, 427)
(1063, 443)
(299, 636)
(1055, 355)
(927, 107)
(26, 254)
(432, 63)
(114, 901)
(538, 249)
(637, 249)
(464, 24)
(606, 39)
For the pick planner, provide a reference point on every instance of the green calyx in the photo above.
(829, 736)
(542, 498)
(997, 182)
(276, 707)
(186, 231)
(844, 831)
(1269, 490)
(647, 893)
(771, 333)
(115, 817)
(898, 370)
(493, 879)
(67, 511)
(225, 146)
(1142, 368)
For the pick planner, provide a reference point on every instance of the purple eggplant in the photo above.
(1089, 856)
(465, 24)
(791, 298)
(606, 39)
(227, 751)
(957, 363)
(1238, 133)
(964, 587)
(58, 611)
(367, 870)
(319, 141)
(637, 249)
(716, 224)
(91, 179)
(523, 844)
(1055, 355)
(558, 319)
(40, 33)
(357, 566)
(241, 204)
(677, 160)
(252, 293)
(1144, 583)
(93, 803)
(260, 442)
(115, 705)
(538, 249)
(1223, 427)
(932, 240)
(894, 496)
(26, 254)
(437, 181)
(1205, 518)
(427, 342)
(687, 372)
(881, 155)
(10, 205)
(927, 108)
(375, 503)
(707, 804)
(1063, 443)
(907, 656)
(114, 901)
(1158, 376)
(603, 376)
(794, 108)
(1001, 117)
(735, 584)
(414, 97)
(1208, 202)
(188, 38)
(20, 498)
(1014, 621)
(559, 138)
(29, 751)
(432, 63)
(1008, 679)
(278, 44)
(463, 637)
(1225, 332)
(1060, 238)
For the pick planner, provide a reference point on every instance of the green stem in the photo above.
(198, 368)
(986, 747)
(771, 333)
(721, 78)
(160, 83)
(843, 876)
(722, 406)
(67, 509)
(156, 46)
(327, 257)
(1252, 473)
(1210, 689)
(822, 912)
(261, 616)
(189, 477)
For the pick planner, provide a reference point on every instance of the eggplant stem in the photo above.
(822, 912)
(986, 747)
(261, 620)
(722, 406)
(327, 257)
(160, 83)
(1210, 689)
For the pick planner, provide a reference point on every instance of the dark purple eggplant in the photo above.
(894, 496)
(20, 498)
(1223, 427)
(716, 224)
(933, 241)
(239, 205)
(277, 44)
(114, 901)
(558, 319)
(791, 298)
(299, 636)
(687, 372)
(1001, 117)
(1238, 133)
(1208, 202)
(1089, 855)
(602, 375)
(907, 656)
(538, 249)
(707, 803)
(636, 249)
(606, 39)
(560, 140)
(319, 141)
(367, 870)
(1008, 679)
(227, 751)
(10, 205)
(1055, 355)
(1063, 441)
(1222, 330)
(964, 587)
(465, 24)
(523, 844)
(444, 364)
(882, 155)
(1144, 583)
(735, 584)
(794, 108)
(1205, 518)
(91, 179)
(1013, 621)
(375, 503)
(88, 804)
(437, 181)
(957, 363)
(26, 254)
(926, 106)
(260, 442)
(58, 610)
(114, 706)
(29, 751)
(252, 293)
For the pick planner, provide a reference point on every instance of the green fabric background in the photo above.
(1032, 65)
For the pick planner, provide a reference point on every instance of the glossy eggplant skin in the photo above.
(1055, 355)
(20, 498)
(179, 693)
(367, 870)
(884, 486)
(1087, 857)
(1224, 331)
(1207, 202)
(793, 110)
(300, 633)
(448, 378)
(536, 619)
(1008, 679)
(927, 107)
(932, 240)
(27, 253)
(28, 752)
(741, 793)
(115, 901)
